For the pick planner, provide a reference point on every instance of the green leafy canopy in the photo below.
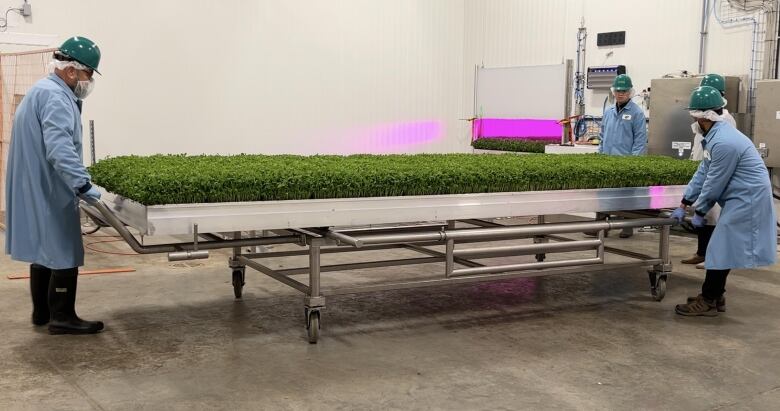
(511, 144)
(180, 179)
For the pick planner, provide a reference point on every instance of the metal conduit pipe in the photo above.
(525, 266)
(557, 228)
(703, 34)
(528, 249)
(130, 239)
(360, 241)
(496, 233)
(642, 222)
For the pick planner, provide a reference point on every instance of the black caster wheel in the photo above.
(541, 257)
(313, 327)
(658, 286)
(238, 282)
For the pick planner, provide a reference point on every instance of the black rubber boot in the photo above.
(62, 302)
(39, 290)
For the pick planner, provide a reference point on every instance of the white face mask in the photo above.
(83, 88)
(696, 128)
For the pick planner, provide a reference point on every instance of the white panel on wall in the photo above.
(503, 33)
(532, 92)
(27, 39)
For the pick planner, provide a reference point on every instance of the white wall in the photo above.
(324, 76)
(662, 37)
(340, 76)
(503, 33)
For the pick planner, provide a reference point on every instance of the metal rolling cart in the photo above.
(416, 223)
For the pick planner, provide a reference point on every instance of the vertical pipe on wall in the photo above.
(569, 88)
(703, 34)
(772, 20)
(476, 85)
(752, 78)
(777, 39)
(579, 76)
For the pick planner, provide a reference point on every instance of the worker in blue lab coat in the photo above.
(46, 177)
(704, 234)
(733, 175)
(623, 130)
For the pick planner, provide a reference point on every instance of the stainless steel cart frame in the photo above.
(353, 225)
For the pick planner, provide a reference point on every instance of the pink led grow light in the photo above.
(516, 128)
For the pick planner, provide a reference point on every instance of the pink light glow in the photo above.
(516, 128)
(392, 137)
(656, 194)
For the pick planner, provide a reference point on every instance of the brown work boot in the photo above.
(695, 259)
(720, 304)
(698, 307)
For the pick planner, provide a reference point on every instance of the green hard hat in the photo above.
(622, 83)
(706, 98)
(714, 80)
(82, 50)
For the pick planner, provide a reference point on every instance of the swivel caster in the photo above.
(313, 326)
(238, 282)
(657, 285)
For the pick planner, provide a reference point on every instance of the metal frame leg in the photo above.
(660, 272)
(600, 251)
(539, 239)
(663, 251)
(238, 269)
(314, 302)
(449, 258)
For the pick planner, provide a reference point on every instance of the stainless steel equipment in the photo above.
(669, 131)
(767, 127)
(314, 224)
(180, 219)
(602, 77)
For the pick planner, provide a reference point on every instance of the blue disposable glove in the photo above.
(698, 221)
(678, 215)
(91, 194)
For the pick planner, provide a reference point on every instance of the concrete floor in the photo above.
(177, 340)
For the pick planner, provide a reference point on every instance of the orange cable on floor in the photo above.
(102, 271)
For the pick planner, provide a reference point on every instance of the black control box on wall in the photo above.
(614, 38)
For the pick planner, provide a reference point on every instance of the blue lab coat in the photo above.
(623, 133)
(45, 173)
(733, 175)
